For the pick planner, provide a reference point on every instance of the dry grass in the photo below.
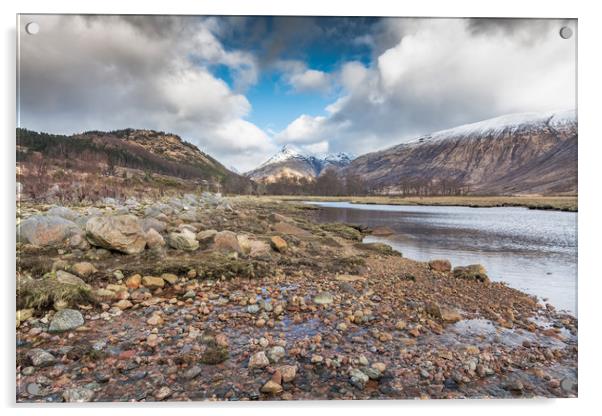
(41, 294)
(559, 203)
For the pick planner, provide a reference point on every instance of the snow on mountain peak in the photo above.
(506, 124)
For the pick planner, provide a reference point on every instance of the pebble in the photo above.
(271, 387)
(275, 354)
(40, 357)
(259, 360)
(78, 395)
(163, 393)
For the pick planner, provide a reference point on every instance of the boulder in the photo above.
(46, 230)
(226, 241)
(278, 244)
(443, 266)
(153, 224)
(154, 240)
(185, 240)
(474, 272)
(206, 236)
(382, 231)
(152, 282)
(120, 232)
(63, 212)
(83, 269)
(290, 229)
(66, 320)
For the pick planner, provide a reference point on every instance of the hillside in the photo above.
(532, 153)
(136, 157)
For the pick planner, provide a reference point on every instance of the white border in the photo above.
(590, 160)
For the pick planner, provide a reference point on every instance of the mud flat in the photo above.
(252, 299)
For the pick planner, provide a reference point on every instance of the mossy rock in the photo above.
(380, 248)
(474, 272)
(346, 231)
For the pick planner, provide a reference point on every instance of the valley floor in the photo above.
(270, 306)
(558, 203)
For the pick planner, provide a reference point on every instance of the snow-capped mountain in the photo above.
(291, 162)
(511, 154)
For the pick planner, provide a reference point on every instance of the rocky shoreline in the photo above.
(202, 297)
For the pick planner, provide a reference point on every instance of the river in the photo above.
(531, 250)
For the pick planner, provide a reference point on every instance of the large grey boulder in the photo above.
(46, 230)
(63, 212)
(122, 233)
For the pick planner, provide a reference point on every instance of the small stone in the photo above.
(317, 359)
(155, 320)
(379, 366)
(271, 387)
(276, 353)
(65, 320)
(163, 393)
(192, 372)
(288, 372)
(40, 357)
(358, 378)
(399, 325)
(123, 304)
(153, 282)
(33, 389)
(259, 360)
(83, 269)
(342, 326)
(134, 281)
(253, 308)
(78, 395)
(170, 278)
(323, 298)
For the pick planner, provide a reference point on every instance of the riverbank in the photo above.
(247, 299)
(558, 203)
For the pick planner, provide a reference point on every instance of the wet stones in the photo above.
(163, 393)
(443, 313)
(78, 395)
(184, 240)
(66, 320)
(40, 357)
(288, 372)
(279, 244)
(443, 266)
(357, 378)
(216, 348)
(474, 272)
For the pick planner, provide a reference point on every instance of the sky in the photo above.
(242, 87)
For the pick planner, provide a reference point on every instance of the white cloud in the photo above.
(108, 72)
(441, 73)
(304, 79)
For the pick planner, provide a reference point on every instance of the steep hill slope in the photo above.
(513, 154)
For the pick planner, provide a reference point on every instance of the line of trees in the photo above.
(332, 183)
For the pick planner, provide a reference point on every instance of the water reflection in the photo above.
(534, 251)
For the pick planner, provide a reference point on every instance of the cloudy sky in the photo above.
(241, 87)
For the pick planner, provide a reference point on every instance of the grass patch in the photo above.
(41, 294)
